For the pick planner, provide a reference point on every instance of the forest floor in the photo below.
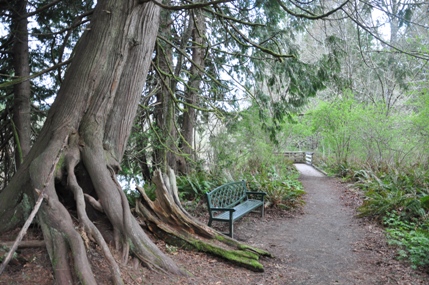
(321, 243)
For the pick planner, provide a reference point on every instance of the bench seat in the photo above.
(239, 210)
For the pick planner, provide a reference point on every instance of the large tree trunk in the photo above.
(22, 90)
(94, 108)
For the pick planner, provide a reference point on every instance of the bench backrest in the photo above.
(227, 195)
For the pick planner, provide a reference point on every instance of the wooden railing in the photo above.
(300, 156)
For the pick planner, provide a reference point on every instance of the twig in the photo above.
(22, 232)
(24, 244)
(36, 208)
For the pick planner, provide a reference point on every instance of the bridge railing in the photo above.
(299, 156)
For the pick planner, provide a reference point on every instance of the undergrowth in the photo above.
(411, 237)
(281, 184)
(404, 191)
(279, 179)
(400, 199)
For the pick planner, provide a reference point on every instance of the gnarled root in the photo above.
(127, 230)
(71, 160)
(62, 237)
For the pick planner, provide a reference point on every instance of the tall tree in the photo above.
(54, 30)
(22, 90)
(164, 106)
(197, 23)
(103, 87)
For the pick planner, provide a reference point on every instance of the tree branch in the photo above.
(22, 79)
(35, 12)
(255, 45)
(367, 29)
(24, 244)
(309, 14)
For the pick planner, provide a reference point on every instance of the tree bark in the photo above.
(189, 116)
(95, 107)
(22, 90)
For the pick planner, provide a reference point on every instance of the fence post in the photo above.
(309, 158)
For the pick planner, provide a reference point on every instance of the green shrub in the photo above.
(280, 183)
(392, 190)
(132, 196)
(193, 186)
(412, 238)
(150, 190)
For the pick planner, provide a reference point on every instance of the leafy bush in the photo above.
(150, 190)
(277, 177)
(193, 186)
(411, 237)
(280, 183)
(400, 199)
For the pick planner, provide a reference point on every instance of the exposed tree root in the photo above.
(67, 243)
(71, 160)
(177, 227)
(128, 233)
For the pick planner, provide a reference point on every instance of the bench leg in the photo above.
(262, 211)
(210, 222)
(231, 229)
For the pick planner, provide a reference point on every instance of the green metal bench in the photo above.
(232, 201)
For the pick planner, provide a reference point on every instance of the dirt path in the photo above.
(327, 244)
(320, 244)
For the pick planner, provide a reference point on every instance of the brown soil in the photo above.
(321, 243)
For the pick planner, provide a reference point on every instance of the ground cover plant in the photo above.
(400, 199)
(411, 236)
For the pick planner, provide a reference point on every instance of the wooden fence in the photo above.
(300, 156)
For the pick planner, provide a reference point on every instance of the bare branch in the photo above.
(24, 243)
(368, 30)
